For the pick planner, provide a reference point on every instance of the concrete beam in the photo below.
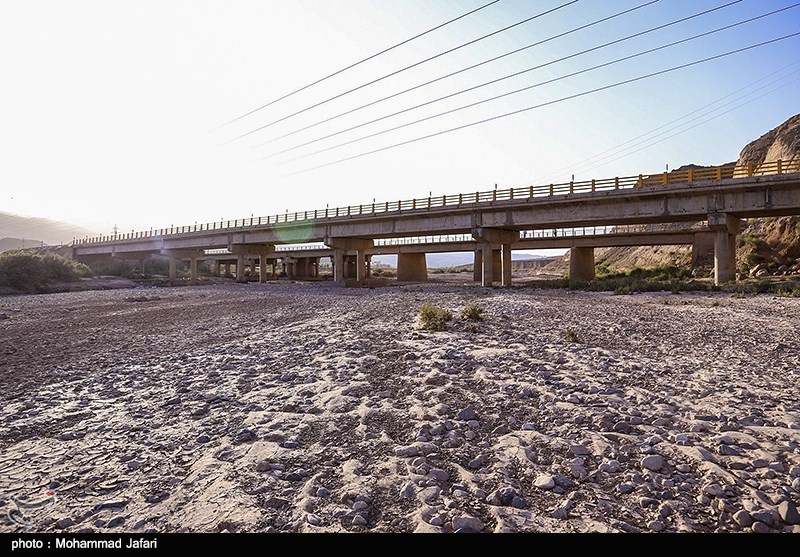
(349, 244)
(412, 267)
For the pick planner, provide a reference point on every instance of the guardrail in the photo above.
(690, 175)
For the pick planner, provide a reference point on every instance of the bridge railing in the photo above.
(689, 175)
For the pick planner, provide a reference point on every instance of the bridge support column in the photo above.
(173, 269)
(142, 270)
(338, 266)
(477, 265)
(361, 265)
(369, 266)
(496, 267)
(725, 228)
(581, 264)
(193, 269)
(412, 266)
(702, 248)
(359, 245)
(240, 268)
(506, 264)
(262, 267)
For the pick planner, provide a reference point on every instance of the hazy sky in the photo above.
(108, 106)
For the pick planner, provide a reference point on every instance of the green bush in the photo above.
(571, 335)
(111, 267)
(26, 271)
(754, 258)
(433, 318)
(472, 312)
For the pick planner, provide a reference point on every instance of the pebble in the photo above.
(529, 426)
(244, 436)
(467, 414)
(656, 526)
(743, 518)
(116, 521)
(760, 528)
(276, 502)
(767, 516)
(544, 482)
(788, 512)
(313, 519)
(359, 505)
(65, 522)
(203, 438)
(466, 524)
(359, 520)
(626, 488)
(760, 463)
(653, 462)
(579, 450)
(323, 492)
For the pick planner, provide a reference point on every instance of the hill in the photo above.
(18, 231)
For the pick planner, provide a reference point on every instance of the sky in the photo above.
(114, 113)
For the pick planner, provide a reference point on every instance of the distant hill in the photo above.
(17, 231)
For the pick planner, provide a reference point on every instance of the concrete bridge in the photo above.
(490, 223)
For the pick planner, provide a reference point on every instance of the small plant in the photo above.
(571, 335)
(472, 312)
(434, 318)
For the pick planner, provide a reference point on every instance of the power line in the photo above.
(490, 99)
(562, 99)
(425, 84)
(384, 51)
(696, 125)
(582, 162)
(329, 99)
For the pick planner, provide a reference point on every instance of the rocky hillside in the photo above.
(766, 246)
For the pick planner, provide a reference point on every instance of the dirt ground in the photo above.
(310, 408)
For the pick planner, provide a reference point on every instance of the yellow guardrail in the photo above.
(690, 175)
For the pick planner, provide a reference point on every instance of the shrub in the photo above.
(433, 318)
(111, 267)
(472, 312)
(33, 270)
(571, 335)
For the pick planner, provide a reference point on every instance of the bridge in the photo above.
(489, 223)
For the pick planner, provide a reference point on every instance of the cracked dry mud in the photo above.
(292, 407)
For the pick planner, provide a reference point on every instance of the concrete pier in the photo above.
(725, 227)
(412, 267)
(581, 264)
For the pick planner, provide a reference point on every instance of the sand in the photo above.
(309, 408)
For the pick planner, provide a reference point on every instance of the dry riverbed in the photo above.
(308, 408)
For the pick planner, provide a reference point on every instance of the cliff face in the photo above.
(782, 143)
(771, 246)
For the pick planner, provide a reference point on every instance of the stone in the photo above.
(760, 528)
(579, 450)
(529, 426)
(466, 524)
(767, 516)
(323, 492)
(313, 519)
(760, 463)
(743, 518)
(65, 522)
(359, 520)
(408, 491)
(116, 521)
(518, 502)
(360, 505)
(626, 488)
(244, 436)
(656, 526)
(544, 482)
(438, 474)
(203, 438)
(276, 502)
(467, 414)
(653, 462)
(788, 512)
